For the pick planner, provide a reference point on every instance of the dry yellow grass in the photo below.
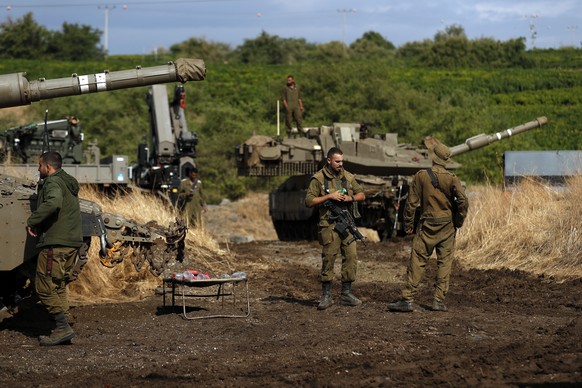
(247, 217)
(18, 115)
(533, 228)
(100, 284)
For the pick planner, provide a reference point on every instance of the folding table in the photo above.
(181, 286)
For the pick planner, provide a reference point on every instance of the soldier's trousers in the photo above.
(294, 114)
(54, 271)
(193, 215)
(334, 246)
(439, 236)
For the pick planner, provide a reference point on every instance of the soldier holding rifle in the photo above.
(332, 183)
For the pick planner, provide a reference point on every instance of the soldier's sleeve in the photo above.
(202, 194)
(53, 201)
(312, 191)
(413, 201)
(284, 94)
(181, 190)
(356, 187)
(462, 199)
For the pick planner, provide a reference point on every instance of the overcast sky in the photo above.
(140, 26)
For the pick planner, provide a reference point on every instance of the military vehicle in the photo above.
(163, 158)
(117, 236)
(169, 154)
(20, 146)
(381, 165)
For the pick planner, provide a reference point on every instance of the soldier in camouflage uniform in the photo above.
(435, 228)
(293, 105)
(191, 199)
(57, 223)
(333, 183)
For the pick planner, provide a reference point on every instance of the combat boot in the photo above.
(326, 300)
(439, 306)
(61, 334)
(401, 305)
(347, 298)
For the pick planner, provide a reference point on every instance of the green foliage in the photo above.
(24, 38)
(265, 49)
(212, 52)
(452, 49)
(371, 39)
(75, 43)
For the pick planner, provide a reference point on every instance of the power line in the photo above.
(124, 4)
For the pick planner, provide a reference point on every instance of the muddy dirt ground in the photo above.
(503, 329)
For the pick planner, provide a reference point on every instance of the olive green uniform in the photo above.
(434, 231)
(292, 95)
(57, 219)
(333, 244)
(192, 199)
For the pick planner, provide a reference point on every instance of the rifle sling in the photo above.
(435, 183)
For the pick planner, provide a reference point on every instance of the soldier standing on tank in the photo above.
(191, 198)
(435, 228)
(293, 104)
(333, 183)
(57, 222)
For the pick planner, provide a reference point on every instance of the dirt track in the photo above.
(503, 329)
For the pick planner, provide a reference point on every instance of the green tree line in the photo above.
(24, 38)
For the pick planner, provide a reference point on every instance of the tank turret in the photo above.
(382, 165)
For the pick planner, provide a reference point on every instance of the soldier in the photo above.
(191, 198)
(57, 219)
(436, 229)
(333, 183)
(293, 105)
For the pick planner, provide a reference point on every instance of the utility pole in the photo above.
(532, 29)
(344, 12)
(106, 8)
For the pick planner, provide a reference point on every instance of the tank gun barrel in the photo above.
(17, 90)
(484, 140)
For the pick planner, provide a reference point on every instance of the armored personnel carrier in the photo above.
(382, 165)
(118, 237)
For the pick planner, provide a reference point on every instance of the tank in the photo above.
(382, 165)
(118, 237)
(23, 144)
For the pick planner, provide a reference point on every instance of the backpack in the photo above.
(458, 219)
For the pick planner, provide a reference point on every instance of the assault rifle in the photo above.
(397, 207)
(344, 222)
